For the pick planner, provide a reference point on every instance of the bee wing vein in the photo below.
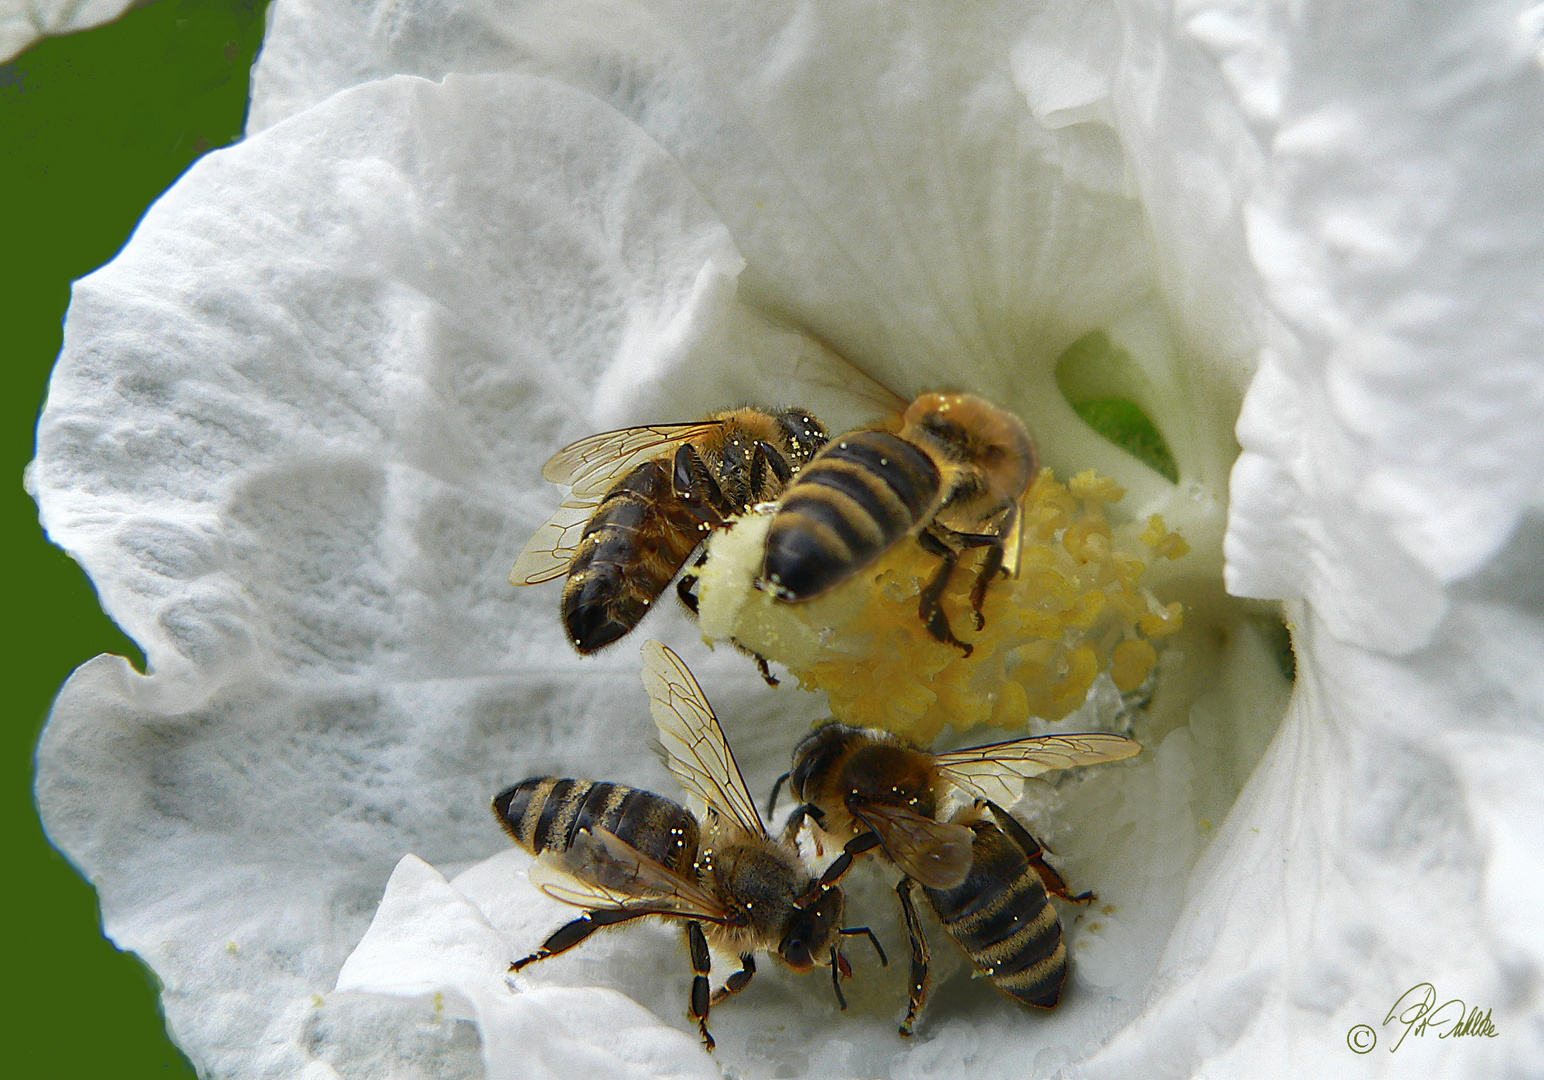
(601, 870)
(997, 771)
(592, 465)
(696, 751)
(936, 853)
(550, 552)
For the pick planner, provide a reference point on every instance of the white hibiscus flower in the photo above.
(294, 433)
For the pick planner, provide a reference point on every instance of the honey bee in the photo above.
(987, 881)
(643, 499)
(953, 476)
(1000, 914)
(622, 853)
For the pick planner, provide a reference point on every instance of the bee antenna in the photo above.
(776, 787)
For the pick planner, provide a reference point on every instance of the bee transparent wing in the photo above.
(695, 750)
(592, 466)
(846, 378)
(550, 552)
(997, 771)
(936, 853)
(601, 870)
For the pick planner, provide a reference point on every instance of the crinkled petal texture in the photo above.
(1350, 198)
(23, 22)
(294, 433)
(431, 939)
(1387, 839)
(947, 198)
(1399, 240)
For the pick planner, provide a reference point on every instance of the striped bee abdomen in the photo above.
(544, 813)
(639, 538)
(1003, 919)
(861, 494)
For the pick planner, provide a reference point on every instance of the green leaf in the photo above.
(1103, 385)
(1127, 426)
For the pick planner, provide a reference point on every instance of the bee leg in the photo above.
(570, 934)
(686, 591)
(766, 672)
(702, 965)
(758, 472)
(686, 587)
(838, 962)
(843, 862)
(1034, 851)
(738, 981)
(928, 608)
(694, 485)
(764, 459)
(761, 664)
(993, 542)
(918, 987)
(984, 576)
(795, 819)
(852, 931)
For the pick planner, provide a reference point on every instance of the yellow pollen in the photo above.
(1164, 544)
(1078, 607)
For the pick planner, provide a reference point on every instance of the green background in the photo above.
(93, 127)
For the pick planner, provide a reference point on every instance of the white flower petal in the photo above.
(427, 939)
(1398, 237)
(321, 48)
(341, 361)
(1390, 837)
(882, 173)
(1364, 237)
(936, 220)
(288, 436)
(294, 438)
(23, 22)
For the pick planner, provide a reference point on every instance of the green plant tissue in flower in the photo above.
(295, 436)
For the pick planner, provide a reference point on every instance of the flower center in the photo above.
(1077, 607)
(1116, 620)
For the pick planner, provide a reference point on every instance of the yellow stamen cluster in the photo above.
(1076, 608)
